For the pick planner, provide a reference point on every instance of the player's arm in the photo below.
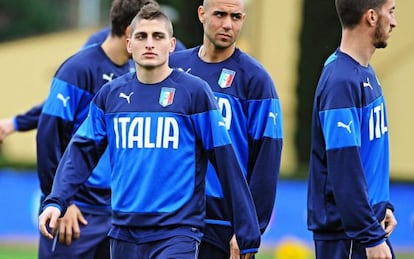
(63, 111)
(21, 122)
(74, 169)
(238, 197)
(346, 171)
(28, 120)
(80, 158)
(265, 149)
(265, 141)
(211, 129)
(347, 177)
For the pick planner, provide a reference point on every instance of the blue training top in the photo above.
(72, 89)
(159, 138)
(248, 101)
(349, 165)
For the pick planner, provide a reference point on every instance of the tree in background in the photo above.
(319, 37)
(187, 27)
(22, 18)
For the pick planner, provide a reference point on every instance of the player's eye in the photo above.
(140, 36)
(219, 14)
(236, 17)
(159, 36)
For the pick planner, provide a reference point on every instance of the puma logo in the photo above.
(340, 124)
(63, 99)
(273, 116)
(186, 71)
(367, 84)
(126, 97)
(108, 77)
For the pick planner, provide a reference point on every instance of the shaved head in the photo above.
(207, 3)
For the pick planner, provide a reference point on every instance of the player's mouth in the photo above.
(149, 55)
(225, 36)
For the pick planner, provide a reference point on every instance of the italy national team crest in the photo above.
(166, 96)
(226, 78)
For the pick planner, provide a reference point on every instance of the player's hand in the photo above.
(234, 248)
(389, 223)
(247, 256)
(69, 225)
(49, 215)
(6, 128)
(381, 251)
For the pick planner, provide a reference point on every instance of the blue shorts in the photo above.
(93, 242)
(342, 249)
(177, 247)
(208, 251)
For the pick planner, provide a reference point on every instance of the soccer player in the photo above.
(349, 208)
(160, 126)
(73, 86)
(248, 101)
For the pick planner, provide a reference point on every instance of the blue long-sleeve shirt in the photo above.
(348, 190)
(72, 89)
(160, 137)
(247, 98)
(28, 120)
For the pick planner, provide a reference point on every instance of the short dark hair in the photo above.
(152, 12)
(123, 11)
(350, 11)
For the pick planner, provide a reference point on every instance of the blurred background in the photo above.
(291, 39)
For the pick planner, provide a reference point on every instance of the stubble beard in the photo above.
(380, 38)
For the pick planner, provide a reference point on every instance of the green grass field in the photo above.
(270, 255)
(30, 252)
(12, 251)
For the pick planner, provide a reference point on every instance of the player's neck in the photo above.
(115, 49)
(210, 54)
(153, 75)
(357, 45)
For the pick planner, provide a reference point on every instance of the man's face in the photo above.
(150, 43)
(386, 22)
(222, 21)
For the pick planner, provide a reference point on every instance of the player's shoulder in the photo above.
(116, 85)
(339, 61)
(191, 84)
(122, 80)
(183, 54)
(248, 64)
(83, 59)
(97, 37)
(182, 78)
(340, 68)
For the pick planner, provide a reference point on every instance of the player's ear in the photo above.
(128, 45)
(243, 17)
(128, 31)
(173, 42)
(371, 16)
(201, 13)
